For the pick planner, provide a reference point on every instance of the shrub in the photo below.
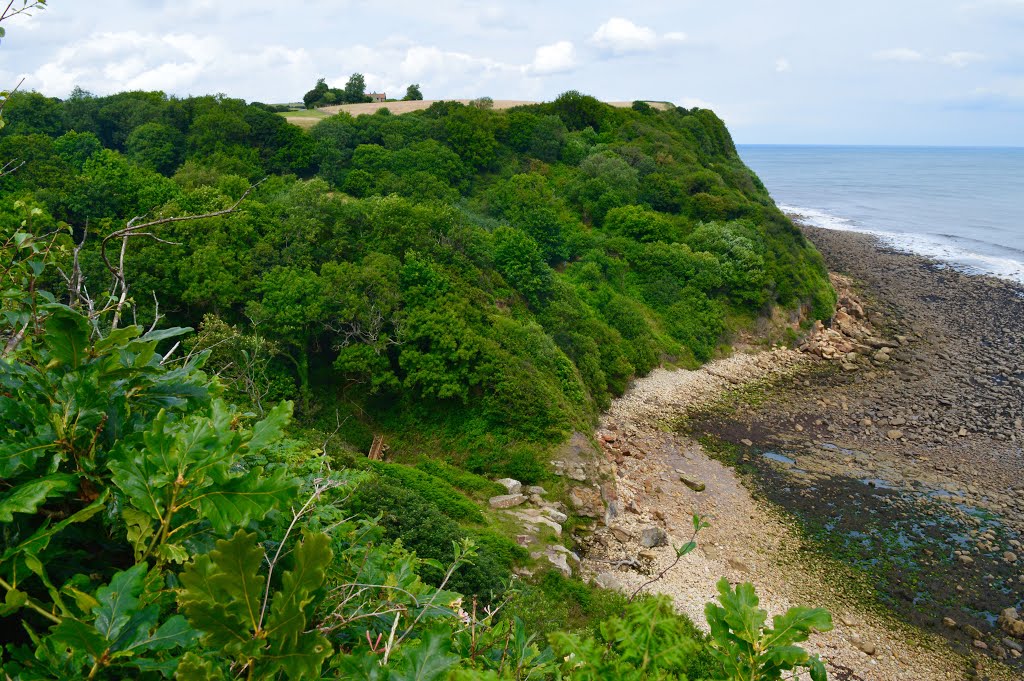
(437, 492)
(423, 528)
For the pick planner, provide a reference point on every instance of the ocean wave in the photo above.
(949, 249)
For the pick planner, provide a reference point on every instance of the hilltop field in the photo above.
(309, 117)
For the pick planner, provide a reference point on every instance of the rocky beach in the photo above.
(876, 469)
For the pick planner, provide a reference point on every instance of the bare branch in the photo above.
(9, 167)
(133, 229)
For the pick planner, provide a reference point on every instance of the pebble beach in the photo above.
(888, 444)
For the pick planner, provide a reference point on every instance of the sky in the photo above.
(942, 72)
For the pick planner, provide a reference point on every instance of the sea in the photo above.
(962, 206)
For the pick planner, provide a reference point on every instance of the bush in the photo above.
(423, 528)
(553, 602)
(437, 492)
(465, 481)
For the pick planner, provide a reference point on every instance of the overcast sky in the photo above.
(788, 71)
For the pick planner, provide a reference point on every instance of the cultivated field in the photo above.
(308, 119)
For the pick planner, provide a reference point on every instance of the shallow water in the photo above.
(960, 205)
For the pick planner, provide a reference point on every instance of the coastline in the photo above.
(921, 452)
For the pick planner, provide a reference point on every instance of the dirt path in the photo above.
(748, 540)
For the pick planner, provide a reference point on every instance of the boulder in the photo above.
(651, 537)
(560, 562)
(513, 486)
(587, 502)
(554, 514)
(1010, 622)
(506, 500)
(609, 580)
(695, 485)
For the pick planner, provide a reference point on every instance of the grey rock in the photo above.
(536, 489)
(555, 514)
(609, 580)
(695, 485)
(559, 561)
(513, 486)
(506, 500)
(652, 536)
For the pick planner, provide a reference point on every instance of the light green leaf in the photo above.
(194, 668)
(797, 624)
(67, 335)
(784, 657)
(118, 600)
(77, 635)
(223, 591)
(239, 500)
(269, 430)
(13, 601)
(287, 620)
(29, 496)
(117, 338)
(302, 661)
(817, 667)
(427, 660)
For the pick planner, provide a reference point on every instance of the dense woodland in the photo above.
(474, 285)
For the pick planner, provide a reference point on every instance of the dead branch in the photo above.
(134, 228)
(9, 167)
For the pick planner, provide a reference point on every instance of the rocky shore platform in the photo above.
(877, 470)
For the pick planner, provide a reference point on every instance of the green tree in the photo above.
(355, 90)
(316, 95)
(156, 146)
(30, 112)
(412, 93)
(519, 260)
(291, 309)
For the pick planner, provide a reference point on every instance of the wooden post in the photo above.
(377, 448)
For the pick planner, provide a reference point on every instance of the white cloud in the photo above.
(898, 54)
(130, 60)
(621, 36)
(693, 102)
(960, 59)
(782, 65)
(555, 58)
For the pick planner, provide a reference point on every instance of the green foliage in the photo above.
(465, 481)
(649, 641)
(224, 597)
(552, 602)
(413, 93)
(746, 647)
(422, 528)
(436, 491)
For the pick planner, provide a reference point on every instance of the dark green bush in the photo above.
(423, 528)
(436, 491)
